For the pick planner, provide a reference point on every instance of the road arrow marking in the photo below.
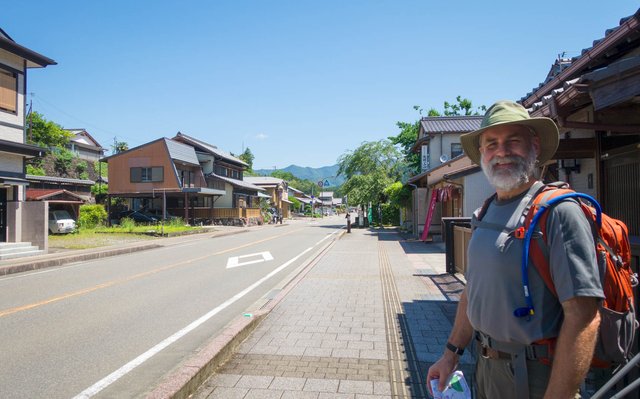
(235, 261)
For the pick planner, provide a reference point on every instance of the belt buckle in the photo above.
(484, 352)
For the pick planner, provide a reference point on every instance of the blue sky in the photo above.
(298, 82)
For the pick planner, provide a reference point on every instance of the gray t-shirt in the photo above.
(494, 279)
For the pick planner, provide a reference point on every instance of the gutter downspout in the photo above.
(414, 213)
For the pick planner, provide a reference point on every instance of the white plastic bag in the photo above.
(456, 388)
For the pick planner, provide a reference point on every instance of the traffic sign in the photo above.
(320, 183)
(326, 183)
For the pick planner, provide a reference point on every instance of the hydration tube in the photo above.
(529, 310)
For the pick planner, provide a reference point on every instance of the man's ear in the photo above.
(535, 142)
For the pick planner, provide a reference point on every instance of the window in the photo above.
(187, 177)
(147, 175)
(220, 171)
(8, 91)
(456, 149)
(235, 174)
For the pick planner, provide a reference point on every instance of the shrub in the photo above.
(390, 214)
(92, 216)
(99, 189)
(81, 167)
(63, 160)
(34, 170)
(127, 224)
(174, 222)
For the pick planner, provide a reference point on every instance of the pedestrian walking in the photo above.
(512, 363)
(348, 217)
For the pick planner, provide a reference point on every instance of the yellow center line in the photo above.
(88, 290)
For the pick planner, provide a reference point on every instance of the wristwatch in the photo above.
(455, 349)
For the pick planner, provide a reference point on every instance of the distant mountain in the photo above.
(307, 173)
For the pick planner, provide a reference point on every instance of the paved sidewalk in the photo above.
(365, 322)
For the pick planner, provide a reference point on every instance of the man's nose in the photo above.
(502, 149)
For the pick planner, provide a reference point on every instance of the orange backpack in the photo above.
(613, 252)
(618, 322)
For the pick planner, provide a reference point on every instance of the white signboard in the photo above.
(424, 156)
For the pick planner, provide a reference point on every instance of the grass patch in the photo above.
(122, 234)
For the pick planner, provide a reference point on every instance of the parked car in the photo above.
(157, 213)
(60, 222)
(138, 217)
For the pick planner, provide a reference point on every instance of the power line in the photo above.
(46, 104)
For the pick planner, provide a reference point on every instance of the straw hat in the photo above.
(510, 113)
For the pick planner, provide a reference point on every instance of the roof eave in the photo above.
(36, 60)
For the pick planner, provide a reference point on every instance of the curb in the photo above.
(182, 383)
(65, 258)
(59, 261)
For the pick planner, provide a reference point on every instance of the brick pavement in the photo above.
(331, 336)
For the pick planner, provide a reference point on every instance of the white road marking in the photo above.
(234, 261)
(122, 371)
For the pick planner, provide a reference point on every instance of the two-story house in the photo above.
(163, 177)
(278, 191)
(19, 220)
(441, 154)
(84, 145)
(225, 172)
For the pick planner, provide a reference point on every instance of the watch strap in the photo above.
(455, 349)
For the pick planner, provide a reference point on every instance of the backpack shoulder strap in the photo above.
(479, 213)
(539, 249)
(517, 218)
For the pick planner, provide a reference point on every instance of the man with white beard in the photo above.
(513, 360)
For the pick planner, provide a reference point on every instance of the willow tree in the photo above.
(369, 170)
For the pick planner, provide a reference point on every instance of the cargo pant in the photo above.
(495, 379)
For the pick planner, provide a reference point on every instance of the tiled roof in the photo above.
(38, 194)
(587, 54)
(450, 124)
(212, 149)
(63, 180)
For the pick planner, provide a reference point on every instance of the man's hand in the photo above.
(442, 369)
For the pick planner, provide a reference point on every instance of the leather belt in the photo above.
(490, 349)
(489, 353)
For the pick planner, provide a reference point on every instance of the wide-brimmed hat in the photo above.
(511, 113)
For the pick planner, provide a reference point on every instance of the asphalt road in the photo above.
(112, 328)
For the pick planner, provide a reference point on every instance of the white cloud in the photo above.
(261, 136)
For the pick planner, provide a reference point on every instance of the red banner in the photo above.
(432, 207)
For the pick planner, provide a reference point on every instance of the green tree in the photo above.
(46, 133)
(374, 156)
(119, 146)
(281, 174)
(463, 106)
(369, 169)
(304, 185)
(247, 157)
